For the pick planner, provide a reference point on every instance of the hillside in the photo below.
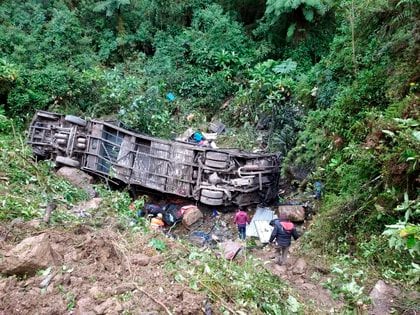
(332, 86)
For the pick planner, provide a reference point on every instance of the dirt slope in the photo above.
(99, 272)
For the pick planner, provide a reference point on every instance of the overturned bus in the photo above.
(215, 177)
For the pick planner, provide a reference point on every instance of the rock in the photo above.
(382, 296)
(105, 306)
(84, 306)
(96, 293)
(29, 256)
(46, 281)
(123, 288)
(17, 222)
(299, 267)
(140, 260)
(299, 281)
(35, 223)
(78, 178)
(280, 269)
(156, 260)
(83, 208)
(191, 214)
(230, 249)
(309, 287)
(294, 213)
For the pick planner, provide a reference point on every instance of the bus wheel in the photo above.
(67, 161)
(75, 120)
(211, 201)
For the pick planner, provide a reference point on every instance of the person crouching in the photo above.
(157, 222)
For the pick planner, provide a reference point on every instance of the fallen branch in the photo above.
(50, 208)
(218, 296)
(153, 299)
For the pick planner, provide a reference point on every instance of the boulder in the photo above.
(28, 256)
(230, 249)
(78, 178)
(191, 214)
(382, 296)
(294, 213)
(299, 267)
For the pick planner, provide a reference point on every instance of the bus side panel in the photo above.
(158, 168)
(180, 181)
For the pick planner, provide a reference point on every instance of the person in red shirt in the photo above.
(241, 220)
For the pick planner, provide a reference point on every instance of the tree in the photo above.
(110, 7)
(297, 13)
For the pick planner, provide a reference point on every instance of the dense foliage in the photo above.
(333, 85)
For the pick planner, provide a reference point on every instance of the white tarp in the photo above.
(259, 226)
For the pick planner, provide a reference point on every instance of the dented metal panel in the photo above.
(212, 176)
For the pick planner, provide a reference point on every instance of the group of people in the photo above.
(283, 231)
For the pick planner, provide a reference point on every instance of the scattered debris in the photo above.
(260, 224)
(199, 238)
(217, 127)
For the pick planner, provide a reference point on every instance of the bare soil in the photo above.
(101, 272)
(107, 271)
(306, 282)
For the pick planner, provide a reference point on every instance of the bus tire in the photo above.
(75, 120)
(67, 161)
(217, 156)
(216, 164)
(211, 201)
(214, 194)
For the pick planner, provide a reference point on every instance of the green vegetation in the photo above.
(334, 85)
(226, 282)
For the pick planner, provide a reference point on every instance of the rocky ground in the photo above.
(106, 270)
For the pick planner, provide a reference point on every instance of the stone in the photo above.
(140, 260)
(95, 292)
(382, 296)
(123, 288)
(309, 287)
(191, 214)
(78, 178)
(156, 260)
(299, 267)
(105, 306)
(294, 213)
(230, 249)
(29, 256)
(84, 306)
(84, 207)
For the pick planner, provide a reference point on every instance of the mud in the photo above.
(100, 272)
(108, 271)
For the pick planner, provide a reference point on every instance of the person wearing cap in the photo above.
(157, 222)
(283, 232)
(241, 219)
